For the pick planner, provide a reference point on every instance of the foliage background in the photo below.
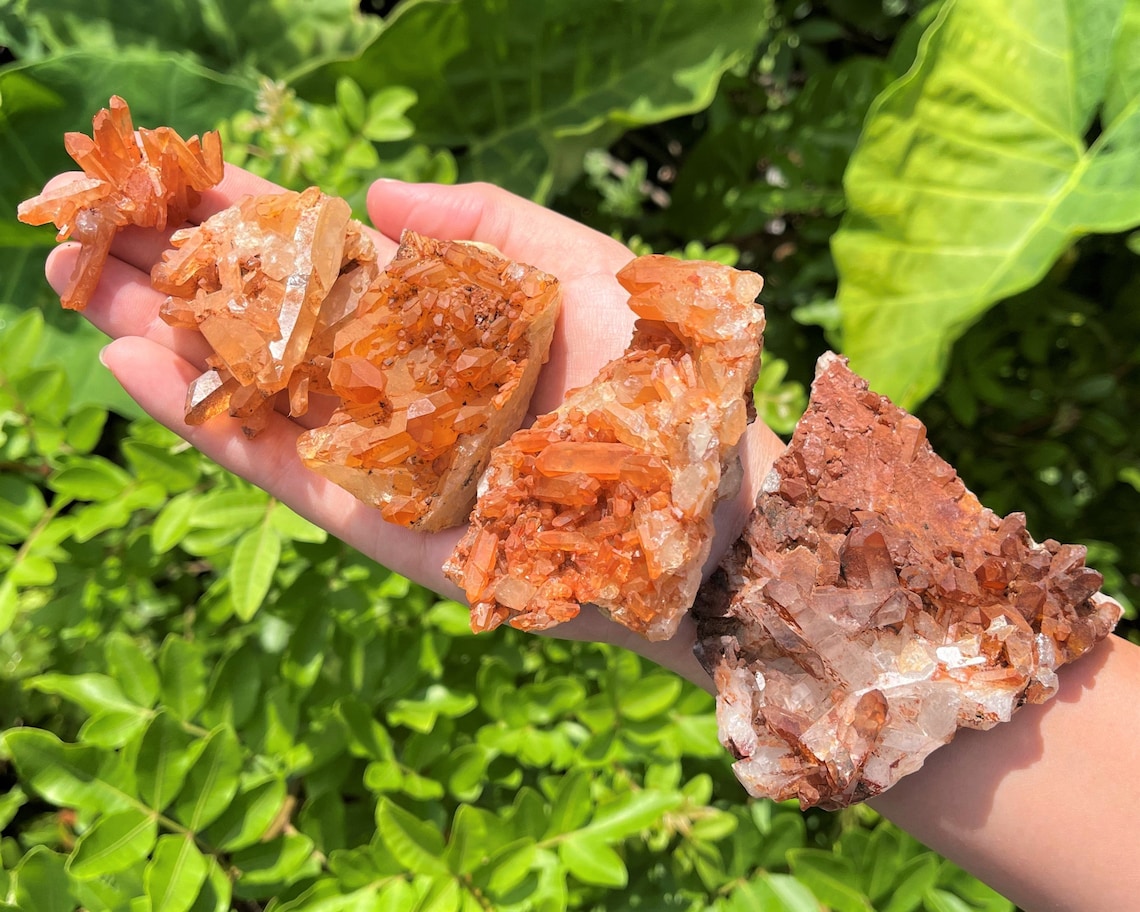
(208, 704)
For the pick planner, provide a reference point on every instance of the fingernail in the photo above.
(102, 359)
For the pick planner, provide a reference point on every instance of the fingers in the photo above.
(522, 230)
(157, 380)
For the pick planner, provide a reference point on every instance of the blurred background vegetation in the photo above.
(209, 704)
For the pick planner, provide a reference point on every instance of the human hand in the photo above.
(155, 363)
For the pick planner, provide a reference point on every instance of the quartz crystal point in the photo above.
(151, 179)
(436, 369)
(609, 499)
(268, 282)
(873, 607)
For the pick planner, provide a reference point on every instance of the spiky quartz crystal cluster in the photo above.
(436, 367)
(608, 500)
(151, 178)
(874, 607)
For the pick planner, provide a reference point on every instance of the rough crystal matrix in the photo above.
(267, 281)
(873, 607)
(151, 179)
(609, 499)
(436, 368)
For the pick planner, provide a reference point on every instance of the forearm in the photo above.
(1045, 808)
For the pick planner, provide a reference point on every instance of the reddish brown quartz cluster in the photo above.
(609, 499)
(873, 607)
(436, 368)
(150, 179)
(268, 282)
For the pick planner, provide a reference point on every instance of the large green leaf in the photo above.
(526, 87)
(976, 170)
(114, 842)
(67, 775)
(271, 36)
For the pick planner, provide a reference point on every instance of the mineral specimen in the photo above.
(873, 607)
(436, 368)
(609, 499)
(268, 282)
(150, 179)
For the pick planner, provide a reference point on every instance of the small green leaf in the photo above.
(175, 471)
(175, 874)
(40, 882)
(212, 781)
(90, 478)
(572, 804)
(20, 343)
(649, 697)
(93, 692)
(251, 571)
(249, 816)
(9, 602)
(279, 862)
(510, 865)
(181, 667)
(131, 668)
(10, 802)
(165, 756)
(173, 522)
(230, 510)
(415, 843)
(630, 814)
(67, 775)
(593, 862)
(114, 842)
(85, 427)
(114, 728)
(351, 102)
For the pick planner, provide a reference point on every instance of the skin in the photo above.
(1008, 804)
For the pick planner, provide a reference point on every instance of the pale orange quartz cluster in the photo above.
(873, 607)
(268, 282)
(436, 368)
(609, 499)
(151, 179)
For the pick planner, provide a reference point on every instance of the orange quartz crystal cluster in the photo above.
(873, 607)
(609, 499)
(151, 179)
(268, 282)
(436, 368)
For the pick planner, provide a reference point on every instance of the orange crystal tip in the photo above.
(149, 179)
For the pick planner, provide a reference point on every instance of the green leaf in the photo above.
(173, 522)
(114, 842)
(276, 863)
(130, 668)
(528, 87)
(230, 510)
(572, 804)
(175, 471)
(649, 697)
(211, 782)
(181, 667)
(509, 866)
(630, 814)
(830, 877)
(11, 802)
(414, 843)
(85, 427)
(973, 175)
(249, 816)
(911, 882)
(251, 570)
(270, 36)
(39, 883)
(175, 874)
(165, 756)
(9, 602)
(113, 728)
(67, 775)
(593, 862)
(89, 478)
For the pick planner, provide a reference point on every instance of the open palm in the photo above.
(155, 363)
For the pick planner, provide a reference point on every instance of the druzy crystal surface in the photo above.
(874, 606)
(609, 499)
(150, 179)
(268, 282)
(435, 369)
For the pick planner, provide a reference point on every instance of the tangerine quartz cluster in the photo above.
(268, 282)
(151, 179)
(609, 499)
(436, 369)
(873, 607)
